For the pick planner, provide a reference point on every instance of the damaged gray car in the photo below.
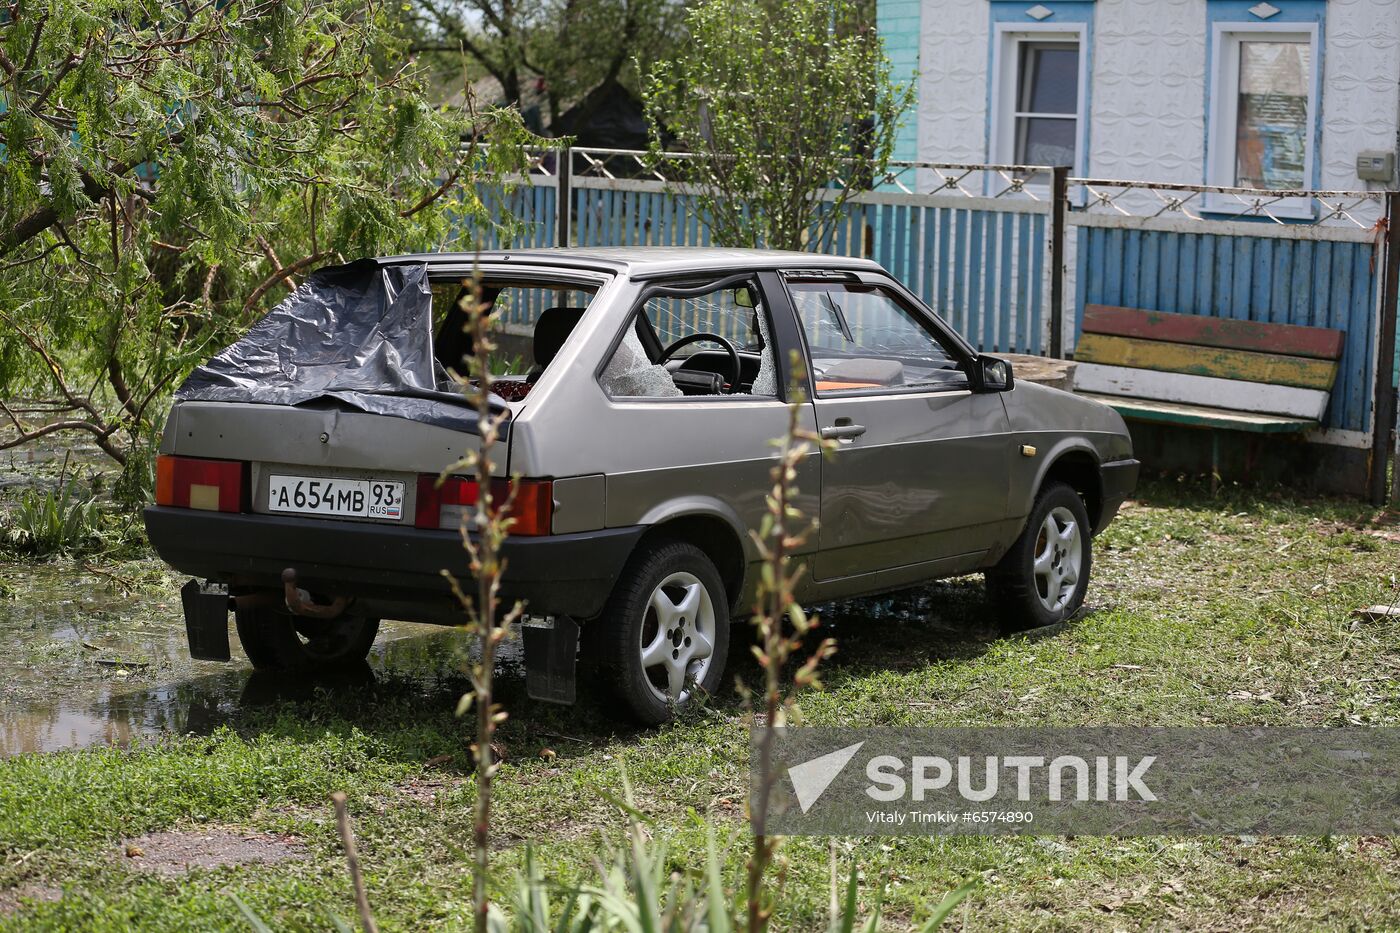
(643, 387)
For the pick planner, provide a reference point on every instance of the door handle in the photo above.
(843, 431)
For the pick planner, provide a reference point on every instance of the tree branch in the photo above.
(278, 276)
(42, 218)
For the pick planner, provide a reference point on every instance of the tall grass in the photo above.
(483, 530)
(54, 521)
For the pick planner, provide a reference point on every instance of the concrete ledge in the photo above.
(1048, 371)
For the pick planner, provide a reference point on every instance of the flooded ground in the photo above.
(93, 652)
(90, 655)
(96, 655)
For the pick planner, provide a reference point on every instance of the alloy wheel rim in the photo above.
(1059, 559)
(677, 637)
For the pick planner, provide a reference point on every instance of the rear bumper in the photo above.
(556, 575)
(1117, 479)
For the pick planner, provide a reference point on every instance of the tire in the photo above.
(279, 641)
(1042, 579)
(681, 581)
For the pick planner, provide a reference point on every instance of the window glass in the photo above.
(517, 361)
(862, 338)
(1050, 77)
(642, 367)
(1045, 113)
(1272, 117)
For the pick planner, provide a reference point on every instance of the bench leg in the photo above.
(1214, 462)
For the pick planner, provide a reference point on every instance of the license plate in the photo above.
(341, 498)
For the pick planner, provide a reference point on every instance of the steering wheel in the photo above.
(735, 370)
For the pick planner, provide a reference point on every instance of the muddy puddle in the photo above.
(97, 656)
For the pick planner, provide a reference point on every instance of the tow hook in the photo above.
(299, 601)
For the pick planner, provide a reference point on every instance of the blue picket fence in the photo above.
(984, 263)
(525, 217)
(982, 269)
(980, 264)
(1284, 275)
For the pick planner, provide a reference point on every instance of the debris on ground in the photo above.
(177, 852)
(11, 899)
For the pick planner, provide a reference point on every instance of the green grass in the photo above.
(1218, 611)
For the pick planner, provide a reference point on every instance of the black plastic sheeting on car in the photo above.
(360, 334)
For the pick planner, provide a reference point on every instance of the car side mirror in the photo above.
(992, 374)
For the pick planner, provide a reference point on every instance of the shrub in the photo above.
(54, 521)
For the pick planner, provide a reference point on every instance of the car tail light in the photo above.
(445, 505)
(212, 485)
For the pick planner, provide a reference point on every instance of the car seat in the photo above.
(552, 328)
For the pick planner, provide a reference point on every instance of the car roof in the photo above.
(644, 261)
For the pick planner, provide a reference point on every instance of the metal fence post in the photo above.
(1384, 394)
(564, 199)
(1059, 204)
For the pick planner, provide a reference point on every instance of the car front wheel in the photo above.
(1043, 577)
(662, 639)
(279, 641)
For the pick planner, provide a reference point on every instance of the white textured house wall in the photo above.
(1147, 117)
(952, 105)
(1361, 86)
(1147, 97)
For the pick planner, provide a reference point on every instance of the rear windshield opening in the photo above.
(535, 318)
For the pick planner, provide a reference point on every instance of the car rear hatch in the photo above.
(313, 461)
(330, 407)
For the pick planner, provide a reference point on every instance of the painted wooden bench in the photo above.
(1207, 372)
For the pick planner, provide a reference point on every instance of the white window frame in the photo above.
(1006, 89)
(1223, 119)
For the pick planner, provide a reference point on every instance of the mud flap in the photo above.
(206, 620)
(551, 655)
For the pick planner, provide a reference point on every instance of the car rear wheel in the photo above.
(280, 641)
(662, 639)
(1043, 578)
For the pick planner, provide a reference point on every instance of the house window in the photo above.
(1038, 98)
(1047, 103)
(1263, 109)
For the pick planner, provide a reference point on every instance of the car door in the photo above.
(921, 470)
(679, 444)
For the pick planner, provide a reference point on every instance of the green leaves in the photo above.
(170, 169)
(794, 106)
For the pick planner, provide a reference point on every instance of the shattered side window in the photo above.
(630, 373)
(766, 382)
(681, 349)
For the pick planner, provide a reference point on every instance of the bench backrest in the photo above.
(1281, 369)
